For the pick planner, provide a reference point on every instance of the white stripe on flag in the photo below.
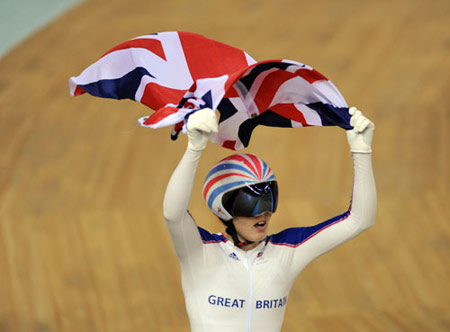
(311, 116)
(329, 94)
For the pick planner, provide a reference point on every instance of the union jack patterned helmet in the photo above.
(240, 185)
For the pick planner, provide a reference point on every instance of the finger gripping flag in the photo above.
(178, 73)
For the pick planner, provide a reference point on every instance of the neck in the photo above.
(250, 246)
(245, 247)
(237, 239)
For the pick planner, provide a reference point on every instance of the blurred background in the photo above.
(83, 244)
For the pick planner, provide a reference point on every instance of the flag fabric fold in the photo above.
(178, 73)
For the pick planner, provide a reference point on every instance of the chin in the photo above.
(260, 237)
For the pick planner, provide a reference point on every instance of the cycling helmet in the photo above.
(241, 185)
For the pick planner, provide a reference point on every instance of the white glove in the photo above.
(360, 137)
(200, 125)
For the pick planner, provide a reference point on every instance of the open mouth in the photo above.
(260, 225)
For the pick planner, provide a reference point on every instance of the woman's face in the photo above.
(252, 228)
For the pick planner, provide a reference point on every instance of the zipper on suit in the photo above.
(249, 318)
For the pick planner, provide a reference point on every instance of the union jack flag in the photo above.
(178, 73)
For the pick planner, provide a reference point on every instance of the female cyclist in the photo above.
(240, 280)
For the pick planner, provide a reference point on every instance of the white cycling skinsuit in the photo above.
(230, 289)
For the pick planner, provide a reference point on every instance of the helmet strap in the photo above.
(231, 230)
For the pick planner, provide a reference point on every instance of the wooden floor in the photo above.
(83, 245)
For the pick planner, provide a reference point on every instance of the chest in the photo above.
(232, 285)
(262, 271)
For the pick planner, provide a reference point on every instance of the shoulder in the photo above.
(293, 237)
(290, 237)
(207, 237)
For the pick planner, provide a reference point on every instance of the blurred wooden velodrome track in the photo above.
(83, 245)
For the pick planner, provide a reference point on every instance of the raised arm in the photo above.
(364, 197)
(311, 242)
(182, 228)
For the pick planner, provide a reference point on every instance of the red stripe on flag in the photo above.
(78, 91)
(153, 45)
(156, 96)
(229, 145)
(230, 90)
(231, 93)
(311, 76)
(269, 88)
(178, 126)
(289, 111)
(160, 115)
(209, 58)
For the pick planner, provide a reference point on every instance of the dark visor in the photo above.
(252, 200)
